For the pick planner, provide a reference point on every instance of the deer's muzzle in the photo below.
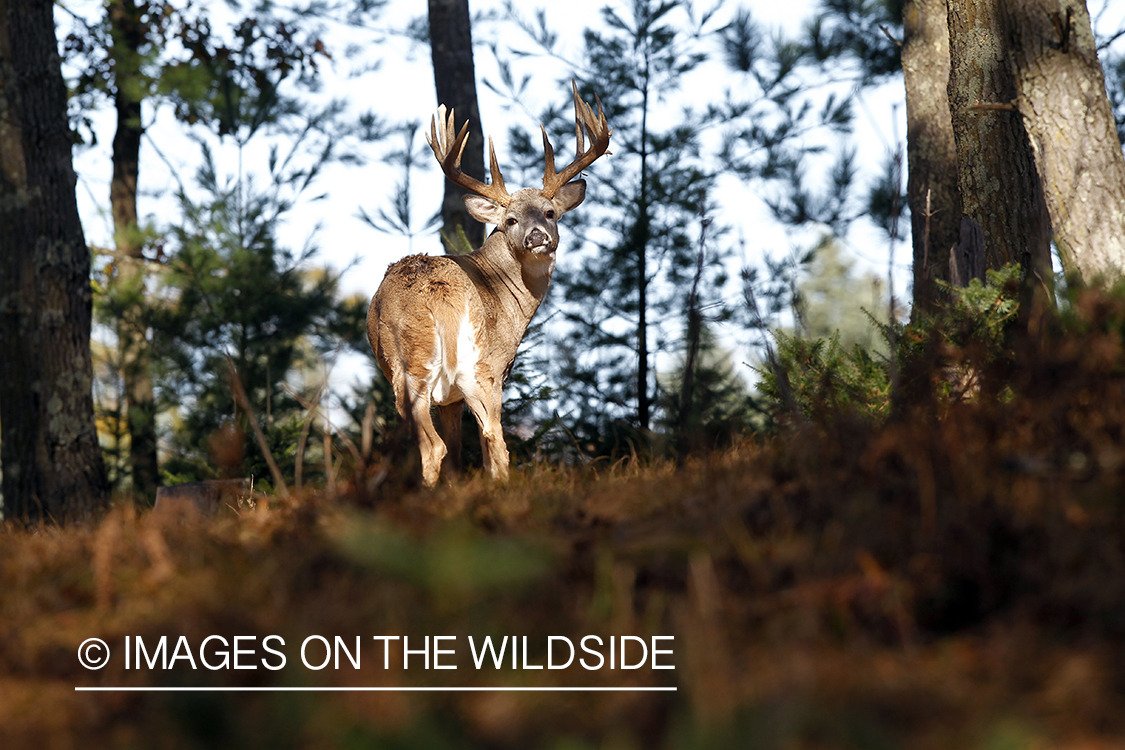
(536, 238)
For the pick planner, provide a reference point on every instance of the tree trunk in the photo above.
(129, 285)
(684, 426)
(1000, 189)
(643, 231)
(931, 153)
(19, 413)
(1061, 95)
(451, 46)
(53, 468)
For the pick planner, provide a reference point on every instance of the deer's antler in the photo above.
(584, 122)
(448, 150)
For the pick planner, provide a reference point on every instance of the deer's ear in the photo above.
(483, 210)
(570, 195)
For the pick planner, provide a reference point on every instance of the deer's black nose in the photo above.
(536, 238)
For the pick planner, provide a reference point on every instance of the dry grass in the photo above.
(952, 579)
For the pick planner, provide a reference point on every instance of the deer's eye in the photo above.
(550, 214)
(512, 221)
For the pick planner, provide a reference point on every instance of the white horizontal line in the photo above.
(132, 689)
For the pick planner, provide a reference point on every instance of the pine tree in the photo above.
(141, 55)
(619, 302)
(232, 290)
(623, 303)
(836, 300)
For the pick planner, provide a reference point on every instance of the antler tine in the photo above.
(579, 117)
(548, 155)
(494, 168)
(449, 148)
(585, 122)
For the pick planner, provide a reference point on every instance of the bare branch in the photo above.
(1005, 106)
(240, 397)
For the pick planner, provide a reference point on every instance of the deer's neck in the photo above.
(511, 290)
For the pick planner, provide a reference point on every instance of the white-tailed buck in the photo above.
(445, 329)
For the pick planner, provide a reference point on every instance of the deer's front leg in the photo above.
(485, 406)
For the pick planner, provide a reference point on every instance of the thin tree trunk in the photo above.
(136, 373)
(451, 47)
(643, 232)
(932, 190)
(1000, 189)
(684, 426)
(53, 468)
(1060, 93)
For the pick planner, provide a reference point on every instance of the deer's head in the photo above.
(529, 217)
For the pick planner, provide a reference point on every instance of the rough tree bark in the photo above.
(53, 468)
(1060, 93)
(126, 25)
(451, 46)
(932, 188)
(1000, 189)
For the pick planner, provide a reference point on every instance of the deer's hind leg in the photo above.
(412, 401)
(449, 425)
(429, 442)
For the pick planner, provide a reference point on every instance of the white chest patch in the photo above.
(453, 376)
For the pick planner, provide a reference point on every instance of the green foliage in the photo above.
(235, 85)
(824, 376)
(623, 300)
(459, 244)
(766, 117)
(232, 290)
(983, 312)
(1111, 52)
(832, 299)
(449, 561)
(821, 377)
(242, 82)
(230, 80)
(721, 406)
(615, 305)
(859, 31)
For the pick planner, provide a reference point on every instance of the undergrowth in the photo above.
(941, 565)
(945, 352)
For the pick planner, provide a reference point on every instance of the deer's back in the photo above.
(425, 320)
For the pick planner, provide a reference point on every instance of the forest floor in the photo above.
(952, 577)
(839, 593)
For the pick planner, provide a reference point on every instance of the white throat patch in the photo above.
(538, 265)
